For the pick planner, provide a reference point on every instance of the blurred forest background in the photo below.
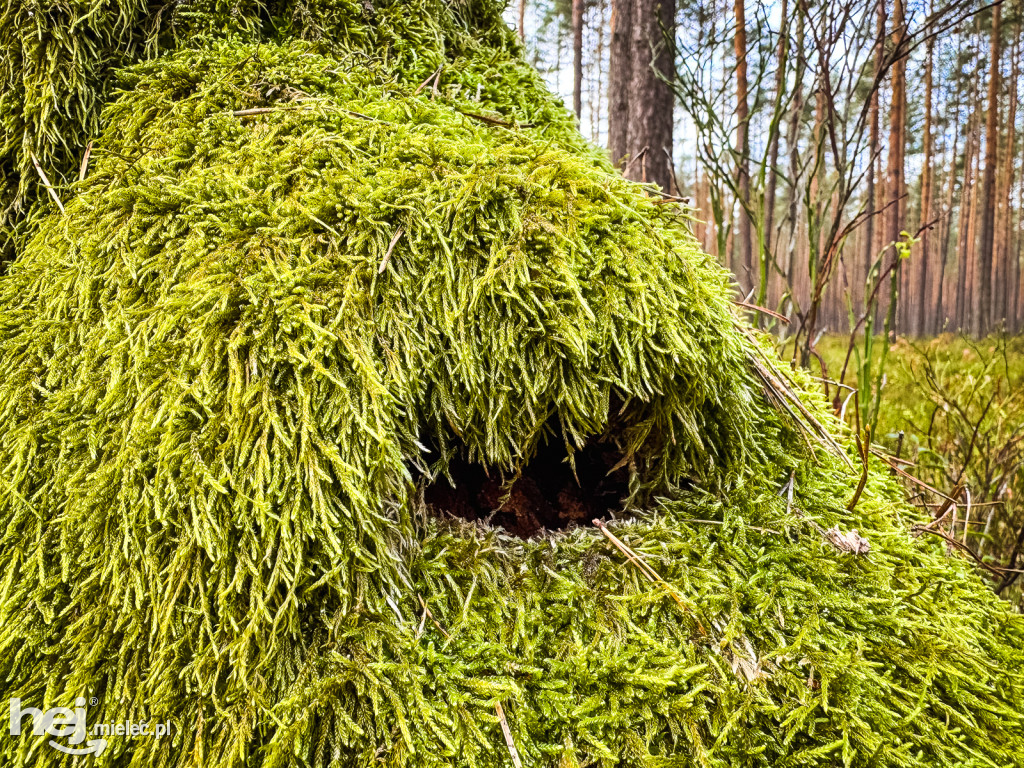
(832, 150)
(859, 165)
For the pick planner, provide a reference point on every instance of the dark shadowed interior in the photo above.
(547, 496)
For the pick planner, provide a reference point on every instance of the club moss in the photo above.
(298, 286)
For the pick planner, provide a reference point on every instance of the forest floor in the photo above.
(950, 410)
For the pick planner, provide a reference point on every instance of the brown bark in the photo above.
(895, 214)
(874, 133)
(793, 144)
(743, 256)
(815, 231)
(577, 57)
(818, 145)
(700, 223)
(522, 20)
(598, 94)
(1004, 286)
(620, 75)
(966, 216)
(982, 304)
(782, 60)
(1018, 298)
(651, 101)
(939, 302)
(1017, 311)
(971, 268)
(920, 301)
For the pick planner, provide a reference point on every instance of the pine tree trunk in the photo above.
(895, 214)
(651, 101)
(982, 303)
(793, 145)
(920, 303)
(1018, 298)
(743, 256)
(782, 58)
(965, 215)
(597, 115)
(620, 76)
(1017, 310)
(1004, 285)
(874, 136)
(940, 302)
(522, 20)
(577, 58)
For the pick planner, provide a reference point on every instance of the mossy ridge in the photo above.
(222, 397)
(58, 63)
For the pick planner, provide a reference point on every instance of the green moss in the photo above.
(58, 64)
(230, 379)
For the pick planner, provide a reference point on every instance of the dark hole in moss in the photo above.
(546, 497)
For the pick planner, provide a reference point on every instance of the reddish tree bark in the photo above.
(966, 214)
(743, 256)
(620, 76)
(577, 57)
(769, 245)
(982, 304)
(1003, 254)
(940, 301)
(895, 214)
(874, 136)
(793, 145)
(920, 303)
(651, 100)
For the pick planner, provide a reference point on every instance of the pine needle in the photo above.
(46, 183)
(509, 741)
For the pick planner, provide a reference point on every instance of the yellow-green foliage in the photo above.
(58, 62)
(955, 407)
(233, 364)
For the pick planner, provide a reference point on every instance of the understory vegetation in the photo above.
(952, 408)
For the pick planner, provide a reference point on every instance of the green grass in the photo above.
(955, 407)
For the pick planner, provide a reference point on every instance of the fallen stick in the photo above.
(46, 182)
(391, 249)
(85, 162)
(641, 564)
(494, 120)
(509, 742)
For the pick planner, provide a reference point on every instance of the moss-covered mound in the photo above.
(59, 62)
(329, 341)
